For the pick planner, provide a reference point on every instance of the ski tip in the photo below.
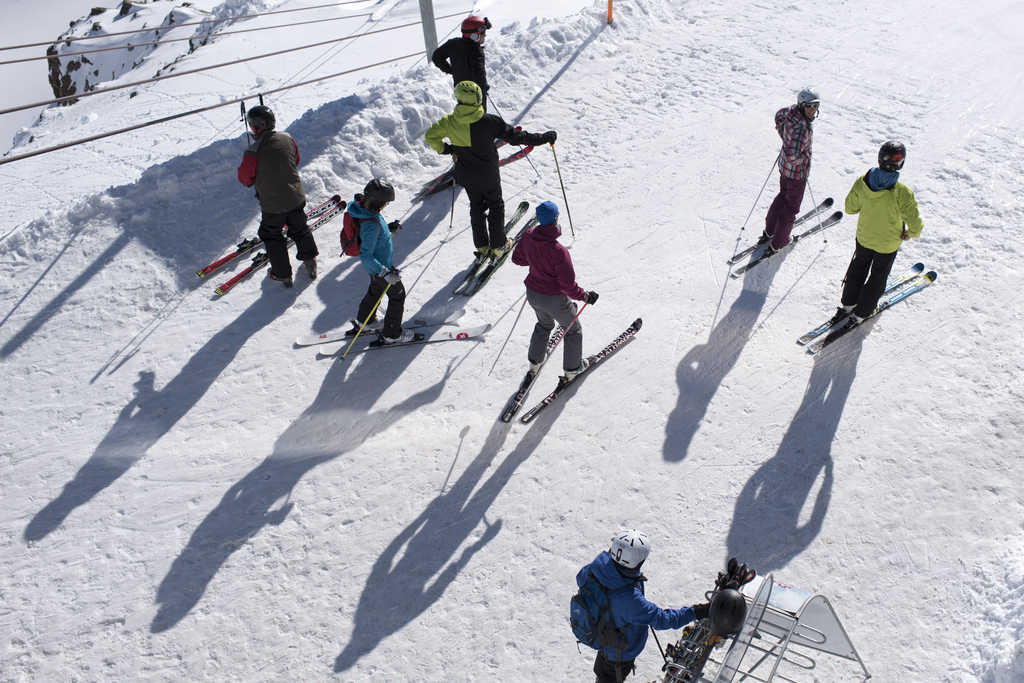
(930, 276)
(638, 323)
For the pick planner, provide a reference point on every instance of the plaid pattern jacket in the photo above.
(796, 134)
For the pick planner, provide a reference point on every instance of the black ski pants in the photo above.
(272, 233)
(606, 669)
(865, 279)
(396, 304)
(487, 216)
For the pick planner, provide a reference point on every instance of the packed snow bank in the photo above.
(996, 648)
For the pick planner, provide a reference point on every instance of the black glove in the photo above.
(448, 149)
(394, 225)
(591, 298)
(549, 137)
(487, 87)
(701, 611)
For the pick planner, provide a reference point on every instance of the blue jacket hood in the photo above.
(375, 251)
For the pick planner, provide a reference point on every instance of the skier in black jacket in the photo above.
(471, 133)
(463, 58)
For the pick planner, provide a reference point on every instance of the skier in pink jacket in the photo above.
(550, 288)
(794, 127)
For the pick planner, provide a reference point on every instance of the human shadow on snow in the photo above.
(703, 368)
(421, 562)
(151, 413)
(337, 422)
(770, 526)
(187, 211)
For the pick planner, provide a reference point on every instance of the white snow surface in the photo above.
(189, 496)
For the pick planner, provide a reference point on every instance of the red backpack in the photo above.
(350, 241)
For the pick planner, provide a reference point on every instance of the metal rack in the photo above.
(782, 625)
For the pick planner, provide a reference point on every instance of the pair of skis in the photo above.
(248, 245)
(492, 265)
(524, 387)
(909, 283)
(339, 335)
(334, 343)
(768, 253)
(517, 401)
(480, 271)
(330, 209)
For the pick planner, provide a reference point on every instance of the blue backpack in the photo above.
(590, 616)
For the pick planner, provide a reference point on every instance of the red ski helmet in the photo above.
(474, 24)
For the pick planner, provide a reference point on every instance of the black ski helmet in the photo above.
(727, 612)
(892, 155)
(261, 119)
(379, 190)
(377, 194)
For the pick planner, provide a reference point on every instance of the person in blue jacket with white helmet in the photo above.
(617, 567)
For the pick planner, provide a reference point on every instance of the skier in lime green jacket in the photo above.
(888, 217)
(471, 133)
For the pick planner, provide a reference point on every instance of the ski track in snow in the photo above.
(188, 496)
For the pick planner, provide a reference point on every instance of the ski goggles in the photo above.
(812, 105)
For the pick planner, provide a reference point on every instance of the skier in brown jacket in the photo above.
(270, 163)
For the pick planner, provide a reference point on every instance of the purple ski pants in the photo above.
(779, 221)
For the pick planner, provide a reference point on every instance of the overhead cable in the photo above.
(177, 40)
(134, 84)
(195, 23)
(7, 160)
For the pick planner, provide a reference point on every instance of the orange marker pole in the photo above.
(609, 11)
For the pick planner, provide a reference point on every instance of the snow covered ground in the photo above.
(188, 496)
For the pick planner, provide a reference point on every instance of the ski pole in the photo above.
(451, 224)
(361, 327)
(585, 304)
(774, 163)
(567, 211)
(507, 338)
(653, 633)
(245, 122)
(494, 104)
(819, 215)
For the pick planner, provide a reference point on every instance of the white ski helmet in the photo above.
(807, 96)
(630, 548)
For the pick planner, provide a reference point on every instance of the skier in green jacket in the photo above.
(471, 132)
(888, 217)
